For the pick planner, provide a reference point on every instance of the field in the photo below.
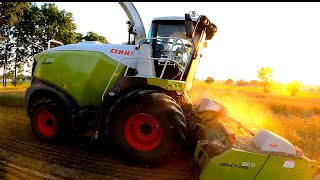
(13, 96)
(295, 118)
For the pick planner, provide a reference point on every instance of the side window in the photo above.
(149, 34)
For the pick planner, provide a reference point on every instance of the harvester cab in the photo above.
(170, 51)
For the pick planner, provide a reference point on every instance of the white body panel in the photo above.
(269, 141)
(206, 104)
(117, 52)
(145, 66)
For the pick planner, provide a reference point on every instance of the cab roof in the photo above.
(173, 18)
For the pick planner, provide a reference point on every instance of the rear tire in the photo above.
(146, 126)
(47, 120)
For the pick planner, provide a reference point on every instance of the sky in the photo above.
(282, 35)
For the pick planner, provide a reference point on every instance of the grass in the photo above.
(10, 87)
(295, 118)
(12, 99)
(13, 96)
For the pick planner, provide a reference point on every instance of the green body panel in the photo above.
(240, 164)
(172, 85)
(81, 74)
(229, 165)
(303, 169)
(233, 164)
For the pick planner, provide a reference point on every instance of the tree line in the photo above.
(265, 75)
(25, 30)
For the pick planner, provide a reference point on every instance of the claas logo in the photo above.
(123, 52)
(273, 145)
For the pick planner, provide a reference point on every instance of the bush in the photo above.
(254, 82)
(209, 80)
(229, 82)
(293, 87)
(242, 83)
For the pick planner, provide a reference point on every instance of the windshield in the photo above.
(168, 40)
(171, 41)
(169, 30)
(177, 47)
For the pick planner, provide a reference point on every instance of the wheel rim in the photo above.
(47, 123)
(143, 132)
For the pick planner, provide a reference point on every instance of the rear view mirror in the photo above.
(211, 31)
(188, 26)
(204, 45)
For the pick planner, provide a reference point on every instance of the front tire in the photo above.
(47, 120)
(147, 126)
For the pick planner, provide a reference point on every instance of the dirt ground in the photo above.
(22, 156)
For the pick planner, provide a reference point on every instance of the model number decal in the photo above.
(248, 164)
(288, 164)
(48, 61)
(233, 165)
(123, 52)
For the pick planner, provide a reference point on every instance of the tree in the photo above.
(209, 80)
(27, 78)
(242, 83)
(25, 30)
(254, 82)
(229, 82)
(6, 54)
(79, 37)
(18, 62)
(294, 87)
(22, 53)
(29, 31)
(55, 24)
(92, 36)
(10, 74)
(10, 15)
(265, 74)
(103, 39)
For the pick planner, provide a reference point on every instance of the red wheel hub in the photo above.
(143, 132)
(46, 123)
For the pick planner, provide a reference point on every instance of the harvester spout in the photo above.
(135, 20)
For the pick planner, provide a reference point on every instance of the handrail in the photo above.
(164, 59)
(54, 41)
(175, 38)
(137, 58)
